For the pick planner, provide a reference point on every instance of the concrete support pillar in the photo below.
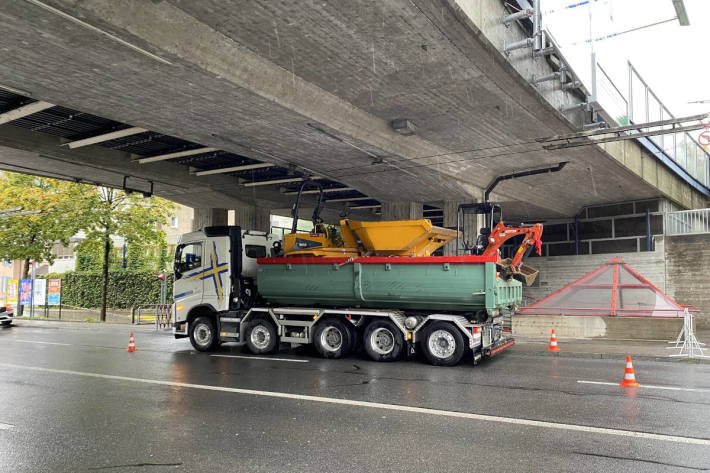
(402, 210)
(251, 217)
(473, 224)
(208, 217)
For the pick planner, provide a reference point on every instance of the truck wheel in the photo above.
(443, 344)
(383, 340)
(262, 338)
(203, 334)
(333, 338)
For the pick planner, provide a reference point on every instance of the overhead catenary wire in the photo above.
(537, 148)
(620, 33)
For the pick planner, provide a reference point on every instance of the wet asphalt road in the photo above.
(91, 406)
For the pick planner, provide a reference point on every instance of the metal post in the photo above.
(576, 235)
(32, 290)
(133, 314)
(593, 98)
(648, 229)
(630, 103)
(537, 30)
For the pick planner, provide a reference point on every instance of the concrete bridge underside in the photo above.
(313, 85)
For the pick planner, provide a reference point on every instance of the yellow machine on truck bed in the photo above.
(355, 238)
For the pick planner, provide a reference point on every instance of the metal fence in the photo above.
(158, 314)
(686, 222)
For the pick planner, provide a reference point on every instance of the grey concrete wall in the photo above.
(613, 328)
(253, 218)
(205, 217)
(687, 263)
(402, 210)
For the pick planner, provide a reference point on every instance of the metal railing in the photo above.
(685, 222)
(637, 103)
(645, 106)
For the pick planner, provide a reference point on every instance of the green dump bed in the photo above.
(433, 284)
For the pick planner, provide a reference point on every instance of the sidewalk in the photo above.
(656, 350)
(77, 324)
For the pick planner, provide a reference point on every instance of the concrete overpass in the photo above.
(238, 102)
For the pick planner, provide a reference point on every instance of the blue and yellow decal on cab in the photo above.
(214, 272)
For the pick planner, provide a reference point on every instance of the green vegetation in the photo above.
(101, 213)
(33, 236)
(125, 289)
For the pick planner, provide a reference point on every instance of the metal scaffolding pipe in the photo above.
(507, 20)
(577, 106)
(544, 52)
(574, 84)
(548, 77)
(526, 43)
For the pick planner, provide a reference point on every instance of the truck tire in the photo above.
(203, 334)
(383, 340)
(333, 338)
(443, 344)
(262, 338)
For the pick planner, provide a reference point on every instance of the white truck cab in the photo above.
(215, 272)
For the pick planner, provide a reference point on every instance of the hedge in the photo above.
(125, 289)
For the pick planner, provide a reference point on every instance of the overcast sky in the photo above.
(673, 59)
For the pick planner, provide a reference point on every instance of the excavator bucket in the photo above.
(527, 274)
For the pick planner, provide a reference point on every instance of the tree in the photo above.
(113, 212)
(30, 237)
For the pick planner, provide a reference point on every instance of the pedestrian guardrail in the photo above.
(686, 222)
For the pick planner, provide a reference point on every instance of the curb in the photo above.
(608, 356)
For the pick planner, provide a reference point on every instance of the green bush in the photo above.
(125, 289)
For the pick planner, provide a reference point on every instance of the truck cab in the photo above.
(215, 272)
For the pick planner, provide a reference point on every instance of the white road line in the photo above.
(649, 386)
(6, 426)
(390, 407)
(45, 343)
(261, 358)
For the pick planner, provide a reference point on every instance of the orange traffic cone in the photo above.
(131, 343)
(553, 342)
(629, 376)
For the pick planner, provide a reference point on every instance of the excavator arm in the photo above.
(532, 238)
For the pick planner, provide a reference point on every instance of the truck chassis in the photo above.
(387, 335)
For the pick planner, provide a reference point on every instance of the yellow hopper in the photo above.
(396, 237)
(387, 238)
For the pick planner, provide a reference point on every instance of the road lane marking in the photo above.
(649, 386)
(390, 407)
(45, 343)
(6, 426)
(261, 358)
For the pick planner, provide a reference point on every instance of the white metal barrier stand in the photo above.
(686, 342)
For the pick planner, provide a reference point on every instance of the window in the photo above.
(255, 251)
(188, 257)
(173, 222)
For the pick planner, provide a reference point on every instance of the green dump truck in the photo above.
(228, 289)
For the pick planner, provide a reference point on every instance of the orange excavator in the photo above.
(492, 237)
